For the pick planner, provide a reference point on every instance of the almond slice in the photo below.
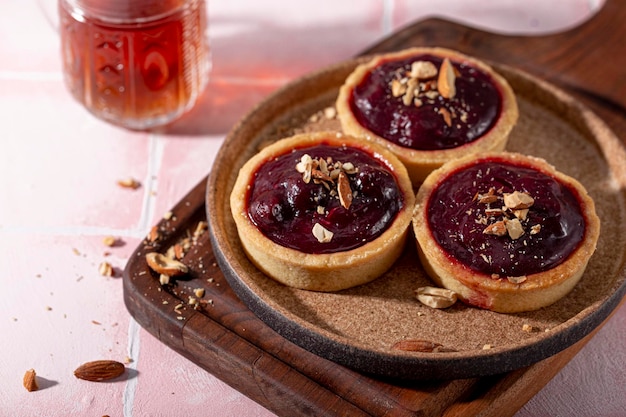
(446, 79)
(344, 190)
(163, 265)
(447, 117)
(436, 297)
(322, 234)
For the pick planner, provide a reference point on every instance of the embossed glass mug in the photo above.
(135, 63)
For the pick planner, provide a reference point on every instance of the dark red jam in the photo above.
(553, 228)
(285, 208)
(474, 109)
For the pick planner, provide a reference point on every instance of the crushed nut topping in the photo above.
(334, 175)
(322, 234)
(508, 218)
(517, 200)
(425, 83)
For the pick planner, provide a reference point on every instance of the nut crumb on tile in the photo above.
(129, 182)
(106, 269)
(30, 380)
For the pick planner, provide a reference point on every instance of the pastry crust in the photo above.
(536, 290)
(420, 163)
(322, 272)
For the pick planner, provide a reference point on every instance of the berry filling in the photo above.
(416, 103)
(505, 220)
(324, 199)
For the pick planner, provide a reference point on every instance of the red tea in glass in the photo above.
(138, 64)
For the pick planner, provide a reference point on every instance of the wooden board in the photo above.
(228, 340)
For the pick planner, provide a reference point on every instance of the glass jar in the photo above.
(135, 63)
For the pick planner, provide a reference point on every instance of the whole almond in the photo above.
(418, 345)
(102, 370)
(30, 380)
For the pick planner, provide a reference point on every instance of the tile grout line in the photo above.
(387, 16)
(155, 156)
(134, 339)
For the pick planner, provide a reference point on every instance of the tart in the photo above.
(504, 231)
(428, 106)
(323, 211)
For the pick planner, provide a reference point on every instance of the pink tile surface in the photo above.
(62, 176)
(28, 36)
(58, 198)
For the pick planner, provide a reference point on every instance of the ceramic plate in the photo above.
(359, 326)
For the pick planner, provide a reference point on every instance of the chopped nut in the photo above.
(488, 198)
(447, 118)
(320, 175)
(528, 328)
(201, 227)
(105, 269)
(154, 235)
(199, 292)
(322, 234)
(407, 99)
(423, 70)
(446, 81)
(514, 228)
(164, 279)
(494, 212)
(344, 190)
(521, 214)
(397, 88)
(349, 168)
(535, 229)
(179, 251)
(30, 380)
(330, 112)
(129, 183)
(163, 265)
(517, 200)
(436, 297)
(516, 280)
(496, 229)
(109, 241)
(487, 347)
(304, 167)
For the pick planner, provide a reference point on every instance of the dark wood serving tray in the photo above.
(224, 337)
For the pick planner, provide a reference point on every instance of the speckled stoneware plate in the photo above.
(359, 326)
